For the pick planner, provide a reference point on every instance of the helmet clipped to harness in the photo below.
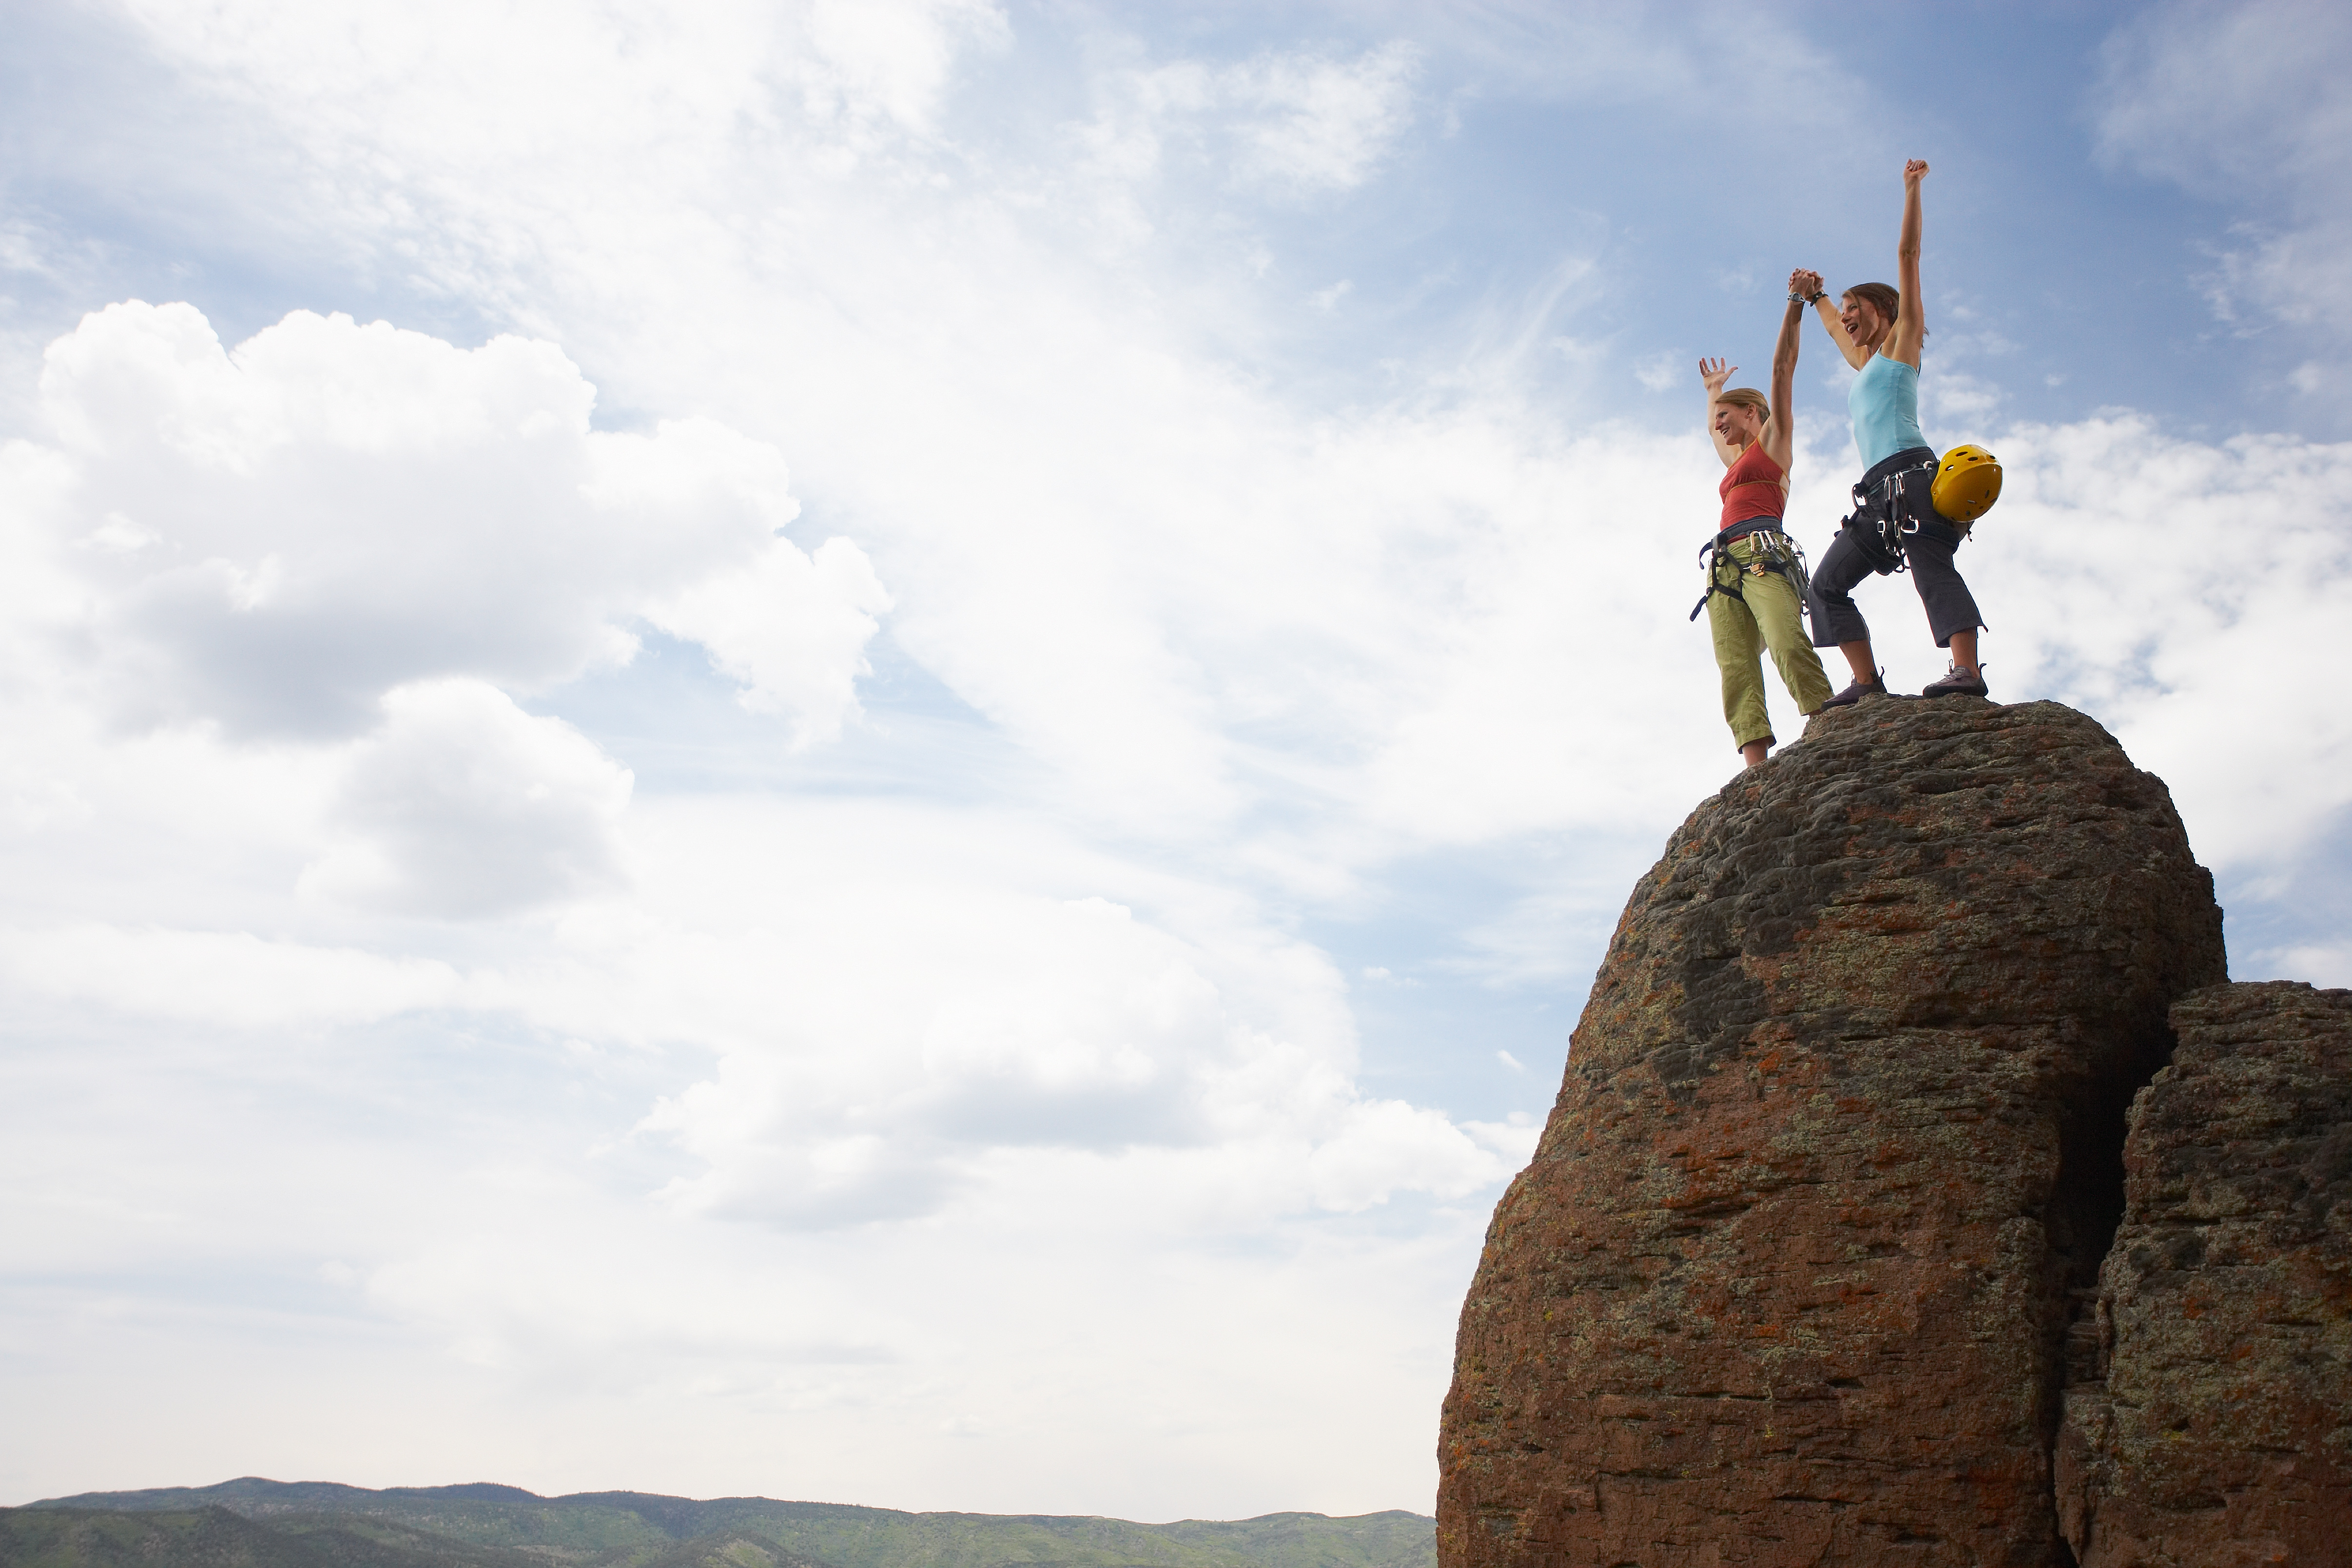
(1967, 482)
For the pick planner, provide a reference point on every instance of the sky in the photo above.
(872, 750)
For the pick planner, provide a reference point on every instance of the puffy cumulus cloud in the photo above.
(1385, 1144)
(273, 540)
(2165, 586)
(789, 629)
(2247, 104)
(890, 1044)
(462, 805)
(1078, 1050)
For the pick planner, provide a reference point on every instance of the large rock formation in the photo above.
(1836, 1160)
(2214, 1425)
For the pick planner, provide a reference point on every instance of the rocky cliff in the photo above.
(1813, 1246)
(2212, 1423)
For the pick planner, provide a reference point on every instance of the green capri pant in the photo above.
(1747, 615)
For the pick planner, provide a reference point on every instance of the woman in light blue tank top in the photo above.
(1884, 402)
(1880, 332)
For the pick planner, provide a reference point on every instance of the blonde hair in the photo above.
(1746, 397)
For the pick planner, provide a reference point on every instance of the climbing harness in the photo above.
(1891, 507)
(1775, 552)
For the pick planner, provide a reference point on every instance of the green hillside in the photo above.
(255, 1523)
(219, 1538)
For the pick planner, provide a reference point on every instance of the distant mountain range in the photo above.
(255, 1523)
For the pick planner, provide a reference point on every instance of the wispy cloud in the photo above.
(2214, 98)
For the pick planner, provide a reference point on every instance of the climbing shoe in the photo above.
(1956, 682)
(1855, 691)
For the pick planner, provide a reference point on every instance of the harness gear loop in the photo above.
(1889, 511)
(1775, 552)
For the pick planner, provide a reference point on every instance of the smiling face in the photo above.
(1737, 424)
(1863, 322)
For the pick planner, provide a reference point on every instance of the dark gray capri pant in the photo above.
(1950, 604)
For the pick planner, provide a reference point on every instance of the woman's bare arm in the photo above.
(1911, 316)
(1823, 307)
(1715, 372)
(1780, 435)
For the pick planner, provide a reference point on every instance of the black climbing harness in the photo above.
(1893, 501)
(1775, 552)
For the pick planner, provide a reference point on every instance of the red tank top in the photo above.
(1751, 487)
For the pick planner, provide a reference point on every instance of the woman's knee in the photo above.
(1844, 563)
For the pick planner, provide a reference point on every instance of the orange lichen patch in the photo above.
(1782, 1285)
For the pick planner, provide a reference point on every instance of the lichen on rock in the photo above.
(1794, 1274)
(2216, 1427)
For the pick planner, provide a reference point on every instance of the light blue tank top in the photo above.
(1884, 402)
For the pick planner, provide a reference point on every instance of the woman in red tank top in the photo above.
(1754, 580)
(1757, 485)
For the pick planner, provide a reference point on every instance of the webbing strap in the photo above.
(1772, 559)
(1879, 518)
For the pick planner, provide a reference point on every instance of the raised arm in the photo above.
(1714, 373)
(1911, 316)
(1780, 435)
(1826, 308)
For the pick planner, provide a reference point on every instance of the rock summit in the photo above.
(1920, 1193)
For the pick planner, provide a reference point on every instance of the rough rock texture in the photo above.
(1835, 1163)
(2222, 1431)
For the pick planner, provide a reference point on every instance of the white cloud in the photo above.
(1515, 1139)
(2324, 964)
(1663, 371)
(2169, 587)
(1387, 1145)
(274, 539)
(1291, 124)
(462, 805)
(1953, 398)
(1321, 122)
(791, 629)
(890, 1036)
(2247, 104)
(518, 79)
(894, 57)
(2209, 95)
(230, 980)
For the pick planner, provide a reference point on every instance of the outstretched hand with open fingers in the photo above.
(1715, 372)
(1913, 172)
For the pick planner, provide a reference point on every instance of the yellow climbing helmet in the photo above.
(1967, 482)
